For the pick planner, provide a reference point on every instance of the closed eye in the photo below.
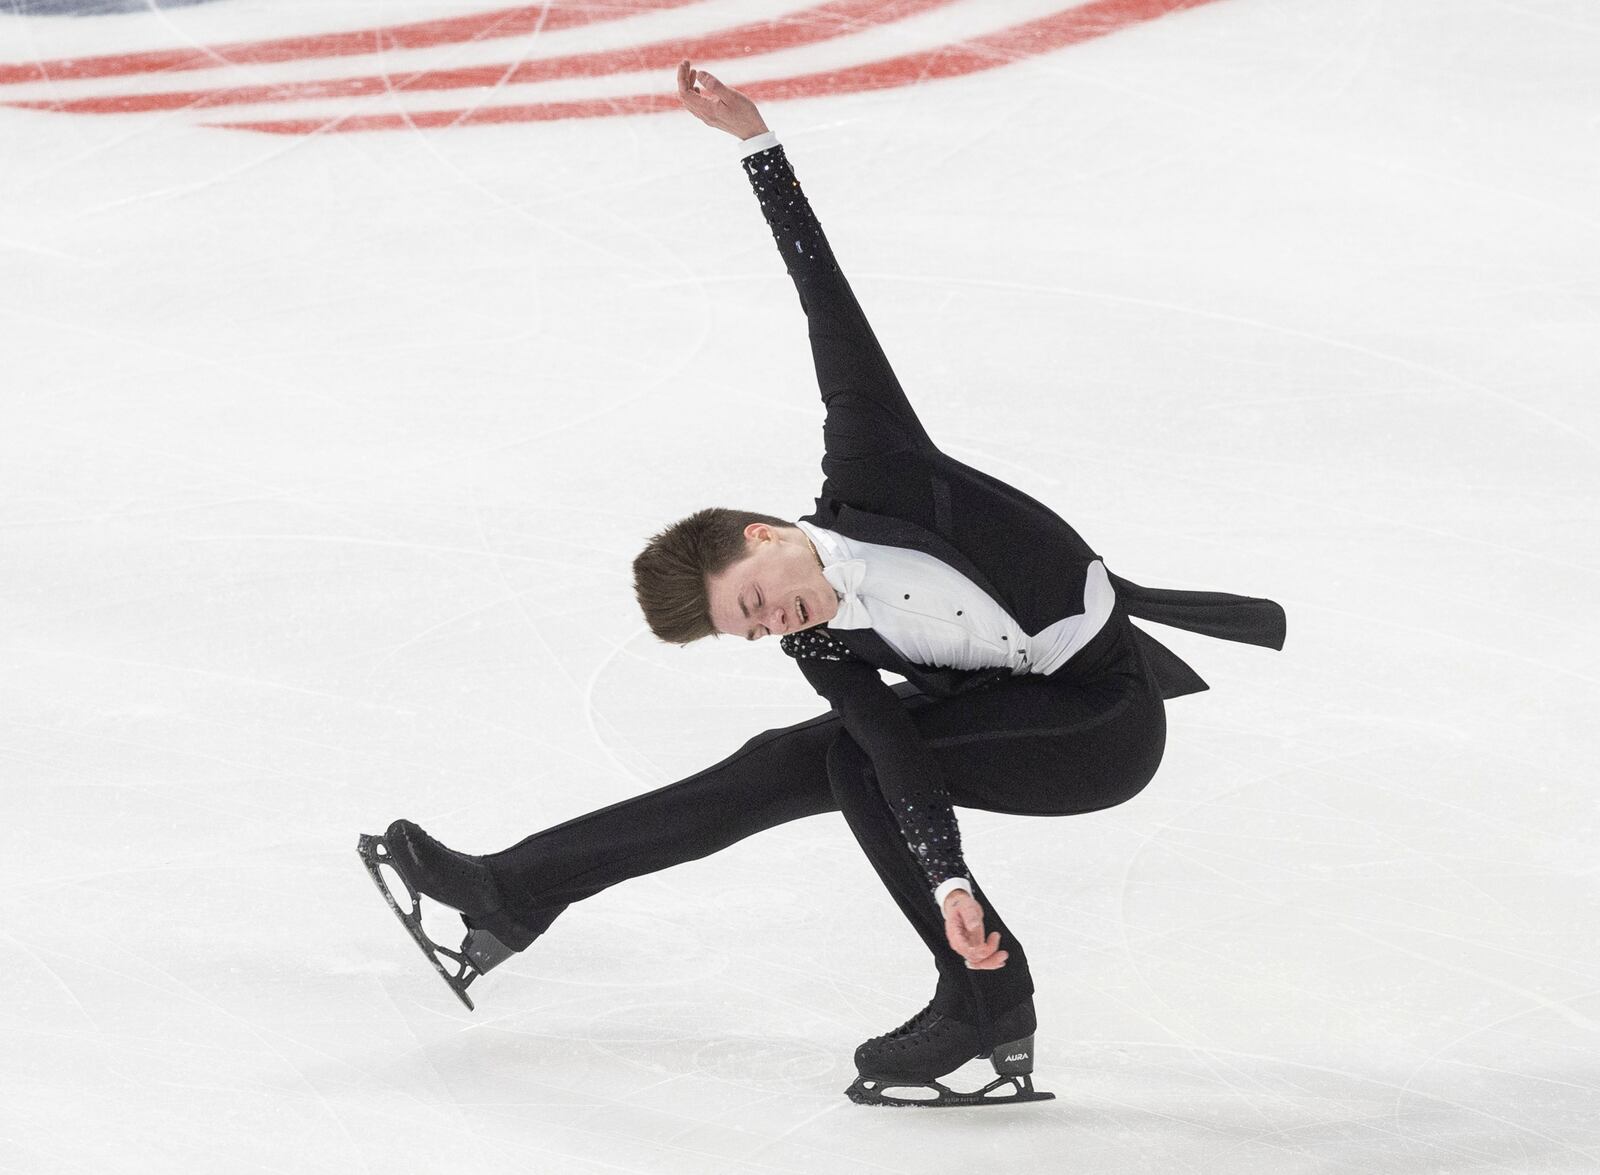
(765, 631)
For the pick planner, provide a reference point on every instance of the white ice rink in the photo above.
(324, 457)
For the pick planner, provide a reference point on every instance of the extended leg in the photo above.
(777, 776)
(508, 899)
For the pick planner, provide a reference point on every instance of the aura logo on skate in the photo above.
(536, 63)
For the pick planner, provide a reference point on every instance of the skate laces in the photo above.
(914, 1024)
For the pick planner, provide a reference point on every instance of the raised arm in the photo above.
(868, 417)
(868, 412)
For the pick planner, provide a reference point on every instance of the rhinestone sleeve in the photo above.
(869, 415)
(794, 226)
(815, 644)
(908, 776)
(929, 825)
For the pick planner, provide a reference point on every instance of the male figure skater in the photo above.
(1027, 688)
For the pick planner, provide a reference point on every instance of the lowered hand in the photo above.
(963, 927)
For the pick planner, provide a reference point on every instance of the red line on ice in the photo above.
(479, 26)
(805, 27)
(1082, 23)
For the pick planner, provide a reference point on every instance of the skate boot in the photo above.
(457, 880)
(931, 1044)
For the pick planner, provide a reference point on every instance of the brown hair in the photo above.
(669, 575)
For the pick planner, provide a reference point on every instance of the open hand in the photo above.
(716, 104)
(963, 927)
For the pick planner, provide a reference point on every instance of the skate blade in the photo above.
(870, 1091)
(373, 853)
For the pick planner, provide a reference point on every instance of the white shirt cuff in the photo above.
(945, 887)
(762, 142)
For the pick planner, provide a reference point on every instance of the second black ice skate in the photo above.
(931, 1044)
(454, 879)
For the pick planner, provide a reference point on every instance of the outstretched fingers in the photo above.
(690, 97)
(700, 101)
(717, 105)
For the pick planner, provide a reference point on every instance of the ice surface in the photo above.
(323, 459)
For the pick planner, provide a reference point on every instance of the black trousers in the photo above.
(1032, 745)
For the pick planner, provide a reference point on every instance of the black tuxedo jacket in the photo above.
(886, 482)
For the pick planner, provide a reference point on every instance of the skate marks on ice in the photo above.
(1367, 959)
(430, 53)
(88, 7)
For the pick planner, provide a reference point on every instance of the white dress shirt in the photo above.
(931, 614)
(761, 142)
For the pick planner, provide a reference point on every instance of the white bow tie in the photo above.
(845, 577)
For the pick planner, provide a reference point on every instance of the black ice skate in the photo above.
(931, 1044)
(455, 880)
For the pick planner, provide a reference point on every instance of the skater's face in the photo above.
(777, 587)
